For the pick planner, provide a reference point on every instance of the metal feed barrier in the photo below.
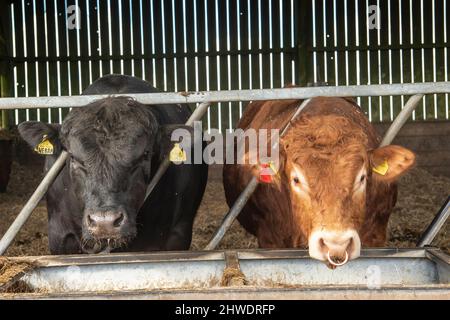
(417, 90)
(256, 274)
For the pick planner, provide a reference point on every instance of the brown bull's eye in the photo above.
(296, 180)
(362, 178)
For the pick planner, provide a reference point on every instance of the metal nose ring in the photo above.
(335, 263)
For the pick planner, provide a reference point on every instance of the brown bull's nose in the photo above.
(335, 247)
(105, 223)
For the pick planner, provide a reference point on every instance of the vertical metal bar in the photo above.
(445, 60)
(391, 101)
(230, 114)
(36, 55)
(239, 47)
(207, 60)
(99, 32)
(175, 73)
(380, 99)
(314, 40)
(47, 64)
(13, 30)
(335, 35)
(346, 42)
(69, 76)
(260, 46)
(25, 54)
(271, 44)
(80, 70)
(218, 63)
(111, 64)
(186, 70)
(400, 30)
(433, 25)
(249, 25)
(411, 41)
(292, 41)
(325, 35)
(152, 17)
(369, 75)
(422, 41)
(133, 61)
(282, 43)
(196, 47)
(58, 64)
(89, 41)
(358, 63)
(141, 24)
(164, 45)
(119, 3)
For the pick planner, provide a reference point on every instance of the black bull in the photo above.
(115, 146)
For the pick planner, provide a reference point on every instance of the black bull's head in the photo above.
(112, 143)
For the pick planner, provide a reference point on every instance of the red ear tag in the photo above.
(265, 175)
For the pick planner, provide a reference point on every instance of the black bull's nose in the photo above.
(105, 224)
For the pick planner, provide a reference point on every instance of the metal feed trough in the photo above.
(284, 274)
(258, 274)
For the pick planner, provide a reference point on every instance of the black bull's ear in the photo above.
(42, 137)
(169, 135)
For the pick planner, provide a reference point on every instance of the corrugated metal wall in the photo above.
(411, 45)
(183, 45)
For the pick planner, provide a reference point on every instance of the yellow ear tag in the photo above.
(45, 147)
(381, 168)
(272, 167)
(177, 154)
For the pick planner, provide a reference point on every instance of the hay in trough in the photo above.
(232, 277)
(10, 271)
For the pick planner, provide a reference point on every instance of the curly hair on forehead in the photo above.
(323, 141)
(108, 128)
(324, 133)
(109, 115)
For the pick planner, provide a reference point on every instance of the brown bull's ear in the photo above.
(268, 172)
(43, 138)
(390, 162)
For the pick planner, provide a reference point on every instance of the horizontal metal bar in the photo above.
(243, 254)
(386, 47)
(252, 293)
(235, 95)
(150, 56)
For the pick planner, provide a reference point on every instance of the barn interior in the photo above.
(50, 48)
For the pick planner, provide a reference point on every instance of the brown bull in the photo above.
(326, 194)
